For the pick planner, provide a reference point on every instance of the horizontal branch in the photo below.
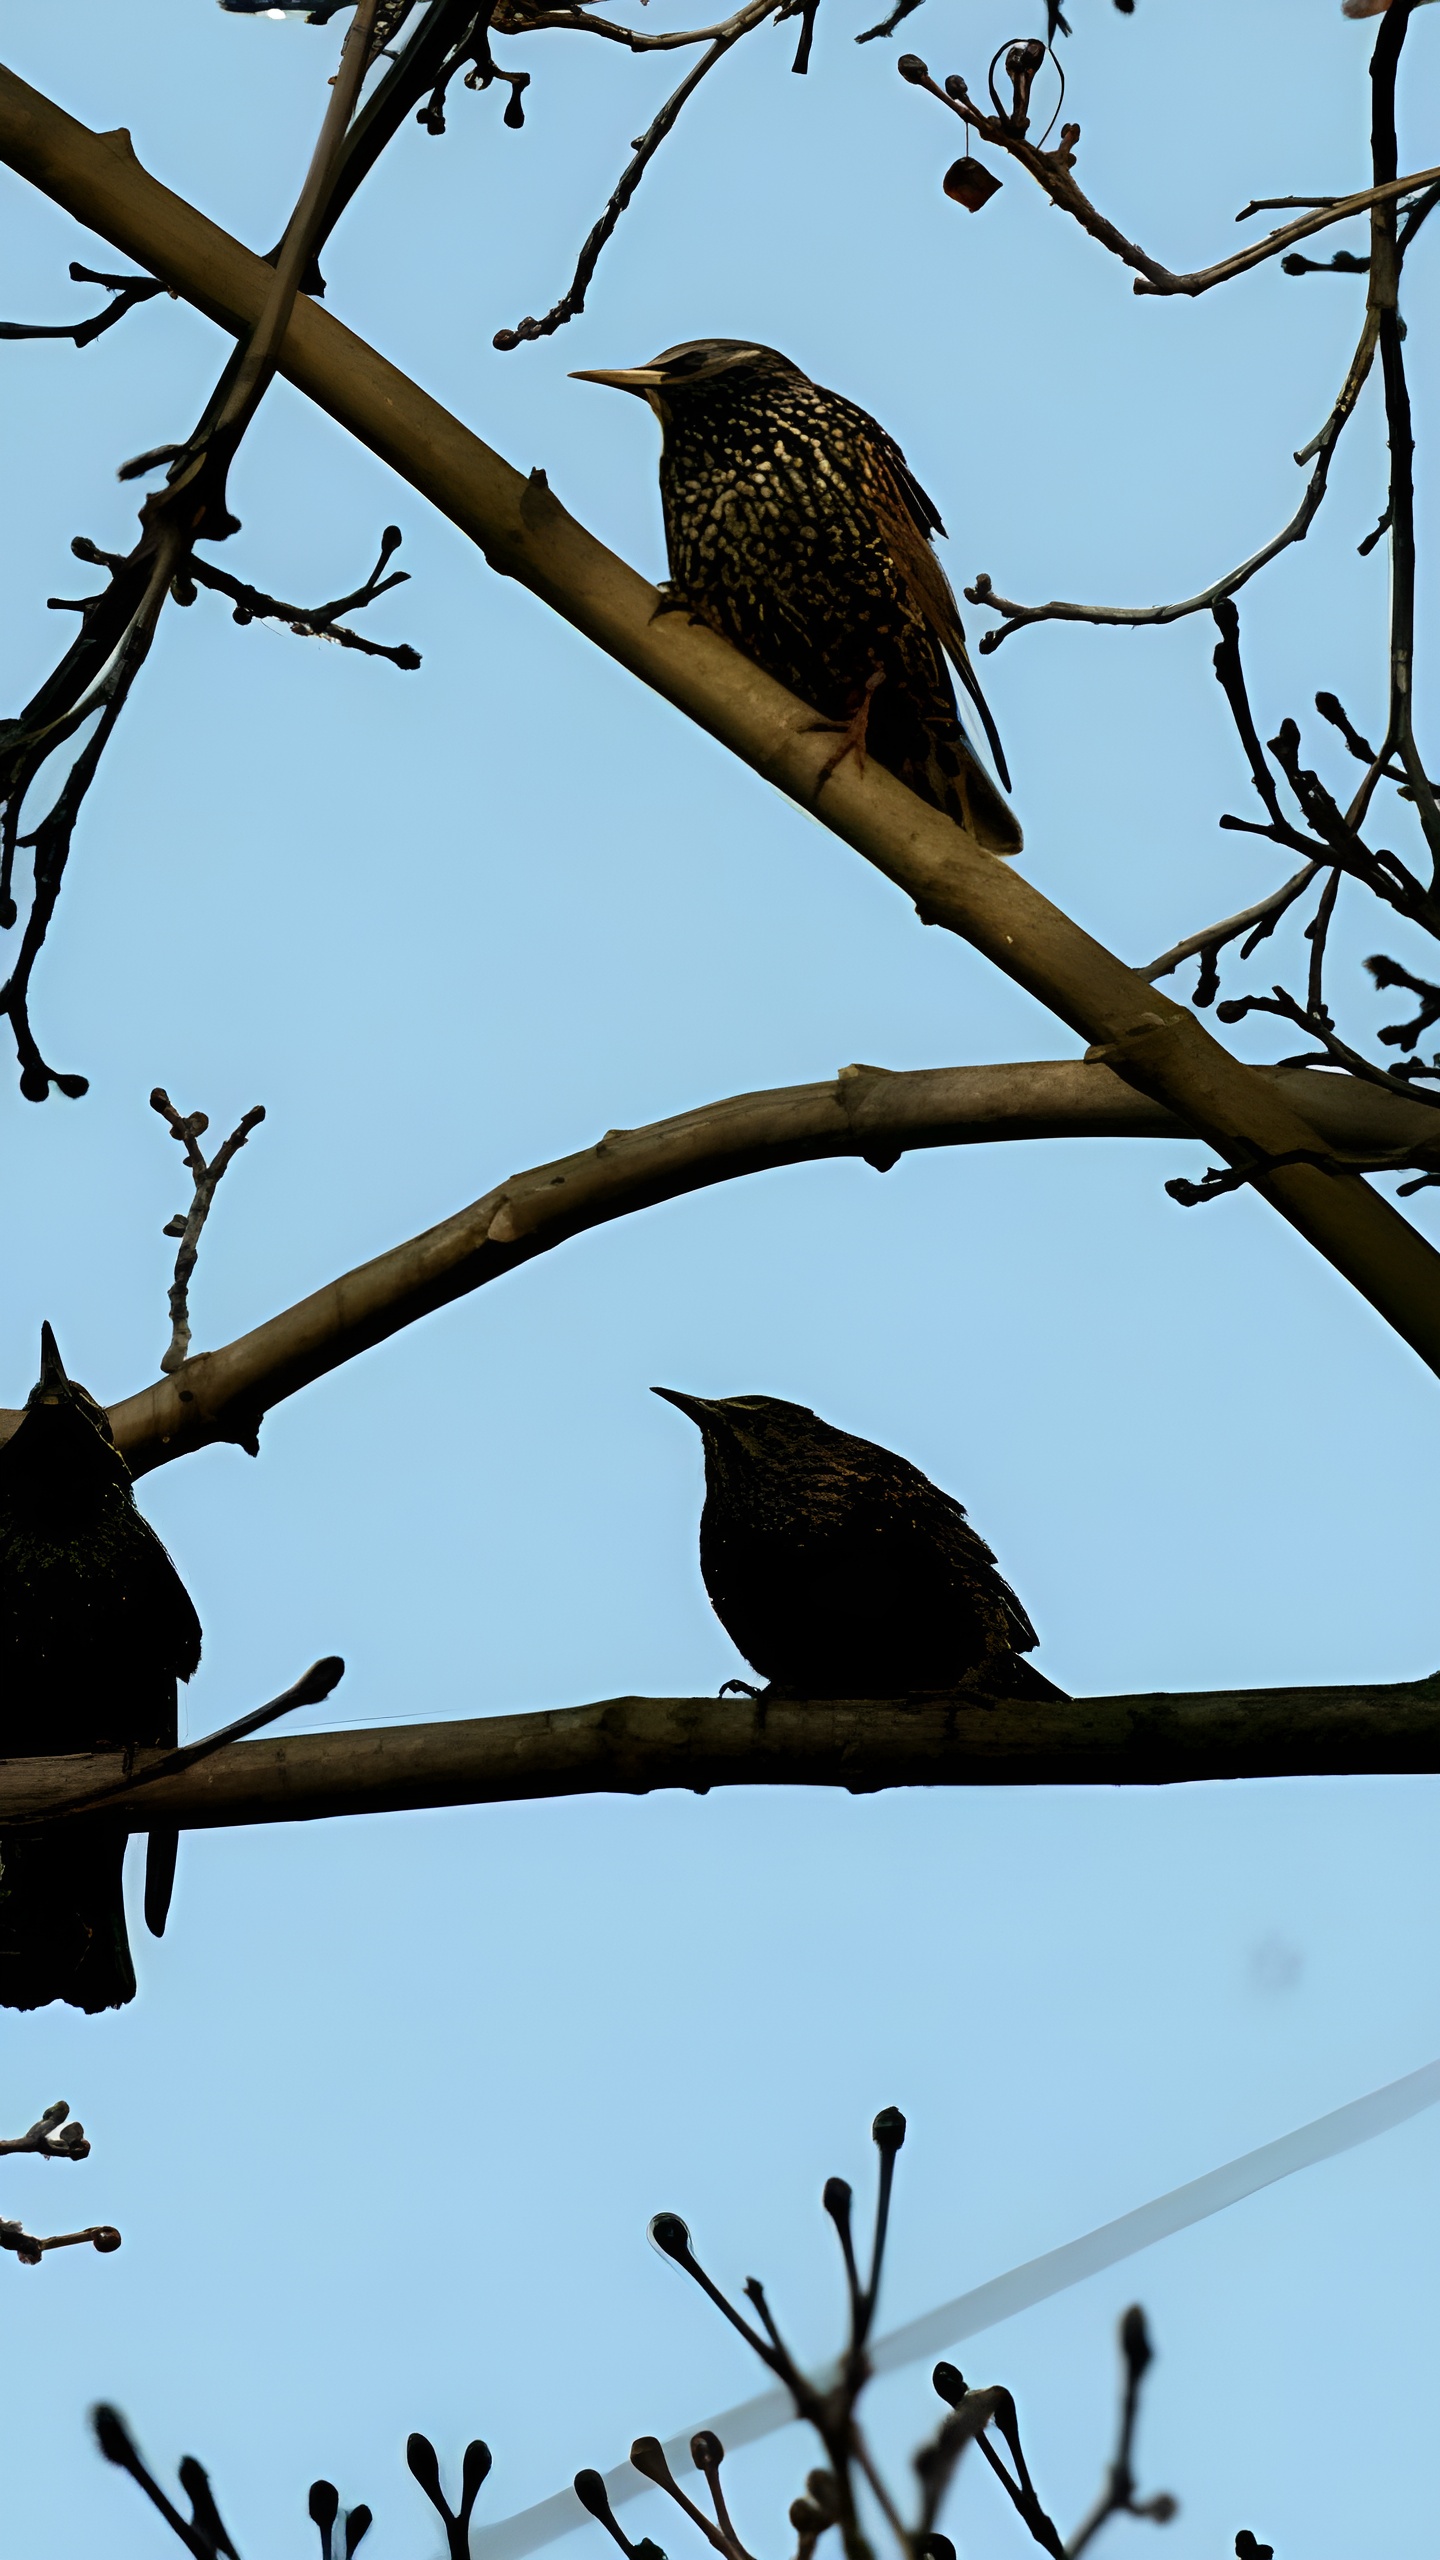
(863, 1112)
(525, 533)
(632, 1746)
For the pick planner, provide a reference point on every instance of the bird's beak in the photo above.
(640, 378)
(53, 1381)
(695, 1406)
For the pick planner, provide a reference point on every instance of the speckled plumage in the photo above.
(839, 1570)
(96, 1628)
(796, 529)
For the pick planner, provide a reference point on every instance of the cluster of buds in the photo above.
(53, 2136)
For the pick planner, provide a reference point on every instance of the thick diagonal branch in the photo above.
(526, 534)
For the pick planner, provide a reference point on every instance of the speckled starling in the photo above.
(96, 1627)
(797, 530)
(840, 1571)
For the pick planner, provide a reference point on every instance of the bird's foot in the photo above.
(742, 1689)
(672, 599)
(851, 732)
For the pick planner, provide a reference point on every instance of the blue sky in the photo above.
(386, 2123)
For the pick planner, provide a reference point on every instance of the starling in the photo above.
(96, 1627)
(839, 1570)
(796, 529)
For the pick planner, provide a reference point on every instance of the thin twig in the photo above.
(188, 1224)
(312, 1687)
(1385, 302)
(1212, 938)
(52, 2137)
(1118, 2497)
(647, 144)
(1052, 169)
(96, 673)
(1320, 451)
(126, 292)
(315, 622)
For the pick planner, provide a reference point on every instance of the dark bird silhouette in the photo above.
(839, 1570)
(797, 530)
(96, 1627)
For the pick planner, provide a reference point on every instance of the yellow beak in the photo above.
(639, 378)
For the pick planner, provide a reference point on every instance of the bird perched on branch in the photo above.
(96, 1627)
(797, 530)
(839, 1570)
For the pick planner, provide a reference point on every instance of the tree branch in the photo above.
(1052, 171)
(525, 533)
(864, 1112)
(1320, 450)
(632, 1746)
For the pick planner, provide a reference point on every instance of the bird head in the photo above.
(693, 367)
(763, 1429)
(63, 1432)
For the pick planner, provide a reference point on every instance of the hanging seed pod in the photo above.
(970, 183)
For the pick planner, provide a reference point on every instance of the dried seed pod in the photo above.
(967, 181)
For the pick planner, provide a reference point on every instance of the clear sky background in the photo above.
(387, 2120)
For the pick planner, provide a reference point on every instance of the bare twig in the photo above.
(126, 294)
(830, 2408)
(1385, 303)
(252, 604)
(1257, 922)
(316, 622)
(1320, 451)
(53, 2136)
(572, 301)
(1052, 170)
(1118, 2498)
(1389, 973)
(188, 1224)
(474, 2472)
(95, 675)
(29, 2248)
(312, 1687)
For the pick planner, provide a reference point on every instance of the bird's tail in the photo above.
(62, 1918)
(956, 780)
(1022, 1680)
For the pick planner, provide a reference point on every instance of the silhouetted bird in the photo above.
(839, 1570)
(96, 1627)
(797, 530)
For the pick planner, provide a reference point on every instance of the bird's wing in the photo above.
(909, 518)
(167, 1602)
(966, 1553)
